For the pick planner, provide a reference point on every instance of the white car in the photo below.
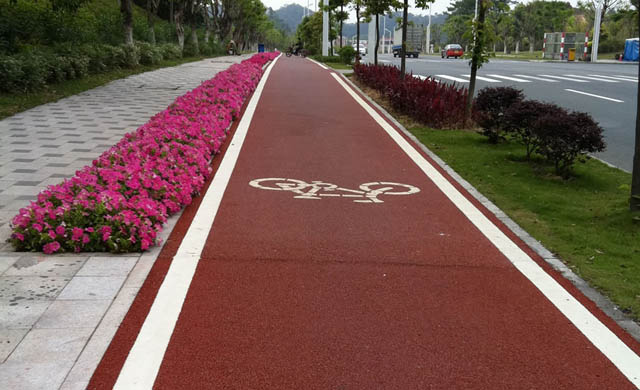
(362, 50)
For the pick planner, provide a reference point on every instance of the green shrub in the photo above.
(80, 65)
(190, 50)
(490, 105)
(206, 50)
(11, 74)
(35, 72)
(149, 54)
(131, 57)
(332, 59)
(347, 54)
(171, 51)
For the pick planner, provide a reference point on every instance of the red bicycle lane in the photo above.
(311, 291)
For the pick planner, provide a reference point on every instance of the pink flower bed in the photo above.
(121, 201)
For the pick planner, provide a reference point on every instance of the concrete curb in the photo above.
(600, 300)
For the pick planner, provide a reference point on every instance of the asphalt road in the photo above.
(615, 85)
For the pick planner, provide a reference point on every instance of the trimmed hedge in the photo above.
(32, 71)
(435, 104)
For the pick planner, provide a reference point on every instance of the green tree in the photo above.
(419, 4)
(373, 8)
(455, 27)
(479, 45)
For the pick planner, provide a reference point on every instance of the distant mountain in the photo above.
(349, 30)
(290, 15)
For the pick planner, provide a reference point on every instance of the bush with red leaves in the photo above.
(424, 100)
(490, 106)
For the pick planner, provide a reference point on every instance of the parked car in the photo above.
(452, 50)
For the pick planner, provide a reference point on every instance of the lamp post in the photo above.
(596, 32)
(386, 43)
(325, 33)
(429, 33)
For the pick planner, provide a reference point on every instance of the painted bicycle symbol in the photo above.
(367, 192)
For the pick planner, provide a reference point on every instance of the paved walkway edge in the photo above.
(604, 303)
(86, 363)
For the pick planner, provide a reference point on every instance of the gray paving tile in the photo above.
(92, 287)
(9, 340)
(43, 358)
(107, 266)
(6, 262)
(73, 314)
(23, 315)
(44, 265)
(15, 289)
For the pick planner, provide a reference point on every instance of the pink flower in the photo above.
(52, 234)
(37, 227)
(19, 236)
(77, 234)
(85, 239)
(60, 230)
(106, 233)
(51, 247)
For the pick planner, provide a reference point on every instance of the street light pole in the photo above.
(596, 32)
(429, 33)
(325, 32)
(384, 28)
(386, 42)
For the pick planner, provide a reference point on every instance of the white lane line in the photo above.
(627, 361)
(444, 76)
(592, 78)
(614, 78)
(564, 78)
(626, 77)
(143, 362)
(421, 77)
(483, 78)
(510, 78)
(596, 96)
(536, 78)
(317, 63)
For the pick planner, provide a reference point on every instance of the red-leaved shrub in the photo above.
(435, 104)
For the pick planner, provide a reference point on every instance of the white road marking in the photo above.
(421, 77)
(614, 78)
(510, 78)
(536, 78)
(592, 78)
(625, 359)
(143, 362)
(317, 63)
(596, 96)
(483, 78)
(315, 189)
(564, 78)
(626, 77)
(444, 76)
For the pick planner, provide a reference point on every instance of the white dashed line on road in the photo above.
(510, 78)
(537, 78)
(592, 78)
(614, 78)
(444, 76)
(564, 78)
(483, 78)
(596, 96)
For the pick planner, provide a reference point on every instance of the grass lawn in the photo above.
(584, 220)
(338, 65)
(12, 103)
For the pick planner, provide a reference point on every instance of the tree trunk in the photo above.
(178, 19)
(330, 40)
(634, 202)
(531, 44)
(357, 33)
(517, 47)
(505, 46)
(375, 52)
(194, 38)
(341, 10)
(403, 55)
(477, 53)
(494, 47)
(127, 21)
(207, 22)
(152, 9)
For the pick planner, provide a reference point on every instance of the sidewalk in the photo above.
(51, 306)
(330, 252)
